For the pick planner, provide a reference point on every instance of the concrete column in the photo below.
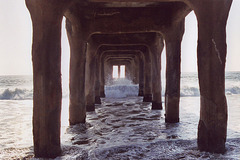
(212, 128)
(147, 80)
(102, 80)
(77, 109)
(141, 78)
(90, 78)
(128, 69)
(156, 51)
(46, 58)
(136, 70)
(97, 82)
(173, 40)
(119, 70)
(108, 70)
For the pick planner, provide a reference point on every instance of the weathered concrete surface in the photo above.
(156, 50)
(46, 58)
(212, 126)
(90, 77)
(155, 18)
(173, 40)
(77, 109)
(97, 82)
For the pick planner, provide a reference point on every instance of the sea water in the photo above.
(122, 127)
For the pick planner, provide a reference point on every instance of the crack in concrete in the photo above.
(216, 49)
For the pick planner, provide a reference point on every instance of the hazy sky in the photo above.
(16, 39)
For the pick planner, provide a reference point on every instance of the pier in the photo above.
(103, 33)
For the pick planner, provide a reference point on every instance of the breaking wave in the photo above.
(16, 94)
(121, 88)
(116, 90)
(194, 91)
(189, 92)
(232, 90)
(129, 90)
(121, 91)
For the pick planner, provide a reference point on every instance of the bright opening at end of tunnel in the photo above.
(122, 71)
(118, 71)
(115, 72)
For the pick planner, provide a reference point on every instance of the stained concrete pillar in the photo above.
(141, 78)
(46, 58)
(135, 70)
(102, 80)
(156, 50)
(119, 70)
(90, 77)
(97, 82)
(77, 109)
(108, 70)
(173, 38)
(212, 128)
(129, 71)
(147, 80)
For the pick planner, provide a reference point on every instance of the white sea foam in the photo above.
(187, 91)
(233, 90)
(121, 88)
(113, 91)
(127, 128)
(21, 87)
(16, 94)
(124, 128)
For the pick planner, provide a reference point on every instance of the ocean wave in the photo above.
(194, 91)
(189, 92)
(121, 91)
(23, 94)
(113, 91)
(232, 90)
(16, 94)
